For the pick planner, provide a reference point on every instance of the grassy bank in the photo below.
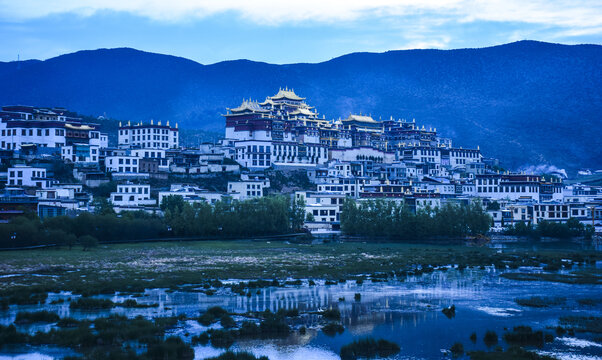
(133, 267)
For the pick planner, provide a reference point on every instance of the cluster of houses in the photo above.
(357, 157)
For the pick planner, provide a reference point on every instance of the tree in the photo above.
(297, 214)
(88, 241)
(102, 206)
(493, 206)
(310, 217)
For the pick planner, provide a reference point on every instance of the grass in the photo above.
(131, 268)
(368, 348)
(540, 301)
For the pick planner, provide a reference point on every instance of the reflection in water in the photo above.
(406, 310)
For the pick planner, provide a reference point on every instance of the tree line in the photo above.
(572, 228)
(272, 215)
(395, 220)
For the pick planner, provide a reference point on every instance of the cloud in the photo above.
(576, 14)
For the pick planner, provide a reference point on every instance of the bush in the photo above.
(88, 242)
(91, 304)
(172, 348)
(369, 348)
(10, 335)
(490, 338)
(221, 338)
(524, 336)
(457, 349)
(38, 316)
(540, 302)
(331, 314)
(229, 355)
(227, 322)
(332, 329)
(213, 314)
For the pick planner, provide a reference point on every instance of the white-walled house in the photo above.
(22, 175)
(122, 164)
(246, 189)
(132, 195)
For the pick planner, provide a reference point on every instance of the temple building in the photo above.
(285, 130)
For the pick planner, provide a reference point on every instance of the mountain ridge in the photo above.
(526, 103)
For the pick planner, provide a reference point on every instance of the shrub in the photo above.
(91, 304)
(332, 314)
(230, 355)
(38, 316)
(212, 315)
(369, 348)
(524, 336)
(332, 329)
(221, 338)
(490, 338)
(457, 349)
(172, 348)
(88, 242)
(227, 321)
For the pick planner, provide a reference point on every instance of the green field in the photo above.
(134, 267)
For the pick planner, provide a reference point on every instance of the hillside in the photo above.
(525, 102)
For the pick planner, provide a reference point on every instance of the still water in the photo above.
(406, 311)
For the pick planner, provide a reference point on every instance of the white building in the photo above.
(149, 136)
(323, 207)
(122, 164)
(22, 175)
(132, 195)
(508, 186)
(154, 154)
(246, 189)
(28, 125)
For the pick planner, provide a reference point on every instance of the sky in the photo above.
(210, 31)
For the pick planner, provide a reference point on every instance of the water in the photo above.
(406, 311)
